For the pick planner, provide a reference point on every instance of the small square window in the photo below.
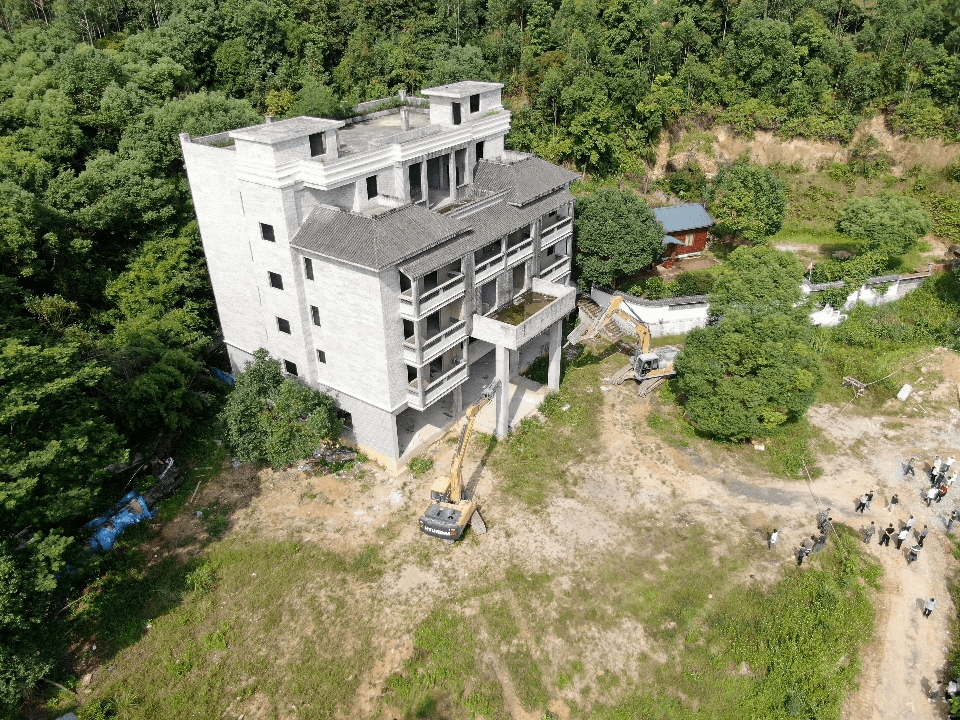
(316, 145)
(475, 103)
(266, 232)
(315, 314)
(456, 113)
(321, 357)
(290, 367)
(480, 150)
(283, 325)
(372, 187)
(308, 268)
(275, 280)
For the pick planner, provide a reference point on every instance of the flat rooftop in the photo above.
(357, 137)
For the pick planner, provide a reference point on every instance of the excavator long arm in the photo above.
(456, 469)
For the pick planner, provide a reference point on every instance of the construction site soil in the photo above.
(669, 489)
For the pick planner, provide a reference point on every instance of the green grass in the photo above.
(534, 460)
(420, 466)
(242, 621)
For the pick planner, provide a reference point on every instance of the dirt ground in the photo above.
(669, 487)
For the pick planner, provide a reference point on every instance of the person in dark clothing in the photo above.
(914, 553)
(951, 521)
(894, 501)
(802, 553)
(821, 541)
(923, 535)
(871, 531)
(886, 535)
(908, 469)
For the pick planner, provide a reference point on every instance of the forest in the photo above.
(107, 311)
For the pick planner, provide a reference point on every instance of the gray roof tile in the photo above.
(684, 217)
(374, 242)
(526, 180)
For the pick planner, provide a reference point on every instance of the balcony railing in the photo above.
(561, 262)
(433, 298)
(442, 385)
(480, 272)
(519, 249)
(553, 232)
(433, 346)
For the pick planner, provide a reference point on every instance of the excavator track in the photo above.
(648, 386)
(622, 374)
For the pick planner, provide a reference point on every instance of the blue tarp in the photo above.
(110, 526)
(224, 377)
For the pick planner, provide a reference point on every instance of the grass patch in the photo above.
(533, 461)
(251, 618)
(420, 466)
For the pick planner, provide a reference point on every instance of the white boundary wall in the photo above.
(676, 316)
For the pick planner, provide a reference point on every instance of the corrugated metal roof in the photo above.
(527, 180)
(684, 217)
(374, 242)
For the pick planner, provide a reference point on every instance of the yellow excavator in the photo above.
(648, 367)
(449, 512)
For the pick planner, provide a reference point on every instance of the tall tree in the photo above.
(748, 202)
(616, 234)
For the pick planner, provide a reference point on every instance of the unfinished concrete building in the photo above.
(375, 257)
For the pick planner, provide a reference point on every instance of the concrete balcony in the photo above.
(551, 234)
(431, 347)
(520, 251)
(430, 300)
(512, 326)
(420, 398)
(556, 269)
(487, 269)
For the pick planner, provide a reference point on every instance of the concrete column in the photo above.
(553, 369)
(452, 167)
(458, 401)
(503, 393)
(424, 189)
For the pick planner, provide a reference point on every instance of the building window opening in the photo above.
(283, 325)
(308, 268)
(430, 281)
(416, 188)
(321, 357)
(408, 331)
(436, 368)
(433, 324)
(405, 283)
(460, 162)
(316, 145)
(456, 114)
(276, 281)
(346, 417)
(438, 179)
(480, 150)
(315, 314)
(372, 187)
(266, 232)
(487, 252)
(475, 103)
(411, 374)
(290, 367)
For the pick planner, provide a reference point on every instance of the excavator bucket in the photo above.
(477, 522)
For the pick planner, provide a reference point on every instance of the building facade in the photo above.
(359, 254)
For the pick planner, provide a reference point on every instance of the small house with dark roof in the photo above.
(686, 228)
(360, 253)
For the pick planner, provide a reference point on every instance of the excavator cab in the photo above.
(644, 363)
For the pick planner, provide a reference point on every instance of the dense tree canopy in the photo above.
(748, 202)
(756, 368)
(757, 280)
(276, 419)
(889, 224)
(617, 234)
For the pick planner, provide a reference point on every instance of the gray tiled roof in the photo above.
(374, 242)
(528, 179)
(486, 225)
(684, 217)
